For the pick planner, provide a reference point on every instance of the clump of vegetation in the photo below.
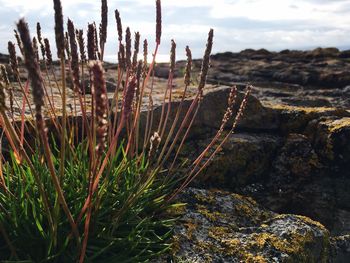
(94, 188)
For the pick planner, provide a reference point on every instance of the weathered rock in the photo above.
(296, 158)
(244, 159)
(340, 249)
(222, 227)
(321, 67)
(4, 58)
(330, 137)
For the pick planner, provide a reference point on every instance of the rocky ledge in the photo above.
(219, 226)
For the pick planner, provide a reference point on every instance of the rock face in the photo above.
(218, 226)
(325, 68)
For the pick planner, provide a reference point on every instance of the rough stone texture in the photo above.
(340, 252)
(244, 159)
(325, 68)
(218, 226)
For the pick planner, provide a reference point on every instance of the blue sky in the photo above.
(238, 24)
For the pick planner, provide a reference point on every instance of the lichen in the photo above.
(211, 216)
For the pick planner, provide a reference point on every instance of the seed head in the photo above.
(81, 43)
(48, 52)
(119, 25)
(33, 68)
(8, 87)
(242, 106)
(40, 39)
(154, 143)
(228, 113)
(96, 41)
(101, 100)
(38, 31)
(172, 56)
(36, 48)
(206, 62)
(104, 22)
(136, 49)
(59, 31)
(91, 43)
(66, 45)
(145, 54)
(13, 58)
(19, 42)
(4, 75)
(2, 96)
(121, 56)
(74, 55)
(158, 22)
(187, 78)
(129, 96)
(128, 47)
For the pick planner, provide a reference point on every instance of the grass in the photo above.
(99, 190)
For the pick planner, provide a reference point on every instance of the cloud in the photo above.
(238, 24)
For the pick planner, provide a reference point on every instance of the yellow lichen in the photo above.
(336, 125)
(190, 229)
(211, 216)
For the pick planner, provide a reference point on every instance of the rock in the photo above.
(319, 68)
(324, 52)
(244, 159)
(4, 58)
(330, 137)
(340, 249)
(296, 158)
(218, 226)
(295, 119)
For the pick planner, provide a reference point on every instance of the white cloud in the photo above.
(238, 24)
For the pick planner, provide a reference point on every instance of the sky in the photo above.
(238, 24)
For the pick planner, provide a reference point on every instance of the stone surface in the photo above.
(218, 226)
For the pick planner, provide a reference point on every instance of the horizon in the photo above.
(271, 24)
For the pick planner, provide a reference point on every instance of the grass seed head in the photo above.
(36, 48)
(59, 31)
(136, 49)
(101, 100)
(129, 96)
(74, 55)
(33, 67)
(121, 57)
(2, 96)
(104, 22)
(172, 56)
(66, 45)
(206, 61)
(128, 47)
(96, 41)
(48, 52)
(119, 25)
(187, 78)
(40, 39)
(81, 43)
(4, 75)
(158, 21)
(145, 54)
(19, 42)
(91, 43)
(13, 58)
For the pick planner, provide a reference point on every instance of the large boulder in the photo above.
(218, 226)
